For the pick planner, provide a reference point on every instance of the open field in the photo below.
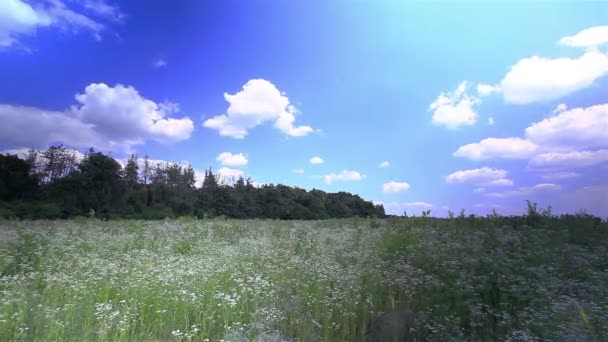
(333, 280)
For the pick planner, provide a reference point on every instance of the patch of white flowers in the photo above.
(265, 280)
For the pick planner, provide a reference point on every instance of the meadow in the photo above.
(413, 279)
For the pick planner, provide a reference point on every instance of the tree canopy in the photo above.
(56, 184)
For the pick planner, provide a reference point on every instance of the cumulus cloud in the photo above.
(526, 191)
(33, 127)
(299, 171)
(384, 164)
(316, 160)
(344, 176)
(455, 109)
(484, 176)
(259, 101)
(509, 148)
(230, 159)
(19, 19)
(490, 121)
(479, 190)
(105, 117)
(484, 89)
(570, 138)
(394, 187)
(574, 128)
(569, 159)
(590, 37)
(121, 113)
(536, 78)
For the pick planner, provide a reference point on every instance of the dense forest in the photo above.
(56, 183)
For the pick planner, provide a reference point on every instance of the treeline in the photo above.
(57, 183)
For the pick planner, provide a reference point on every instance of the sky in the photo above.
(416, 105)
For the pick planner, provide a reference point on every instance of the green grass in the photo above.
(336, 280)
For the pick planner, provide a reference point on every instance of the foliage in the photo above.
(395, 279)
(98, 186)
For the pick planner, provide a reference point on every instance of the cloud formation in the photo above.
(569, 159)
(316, 160)
(455, 109)
(18, 18)
(384, 164)
(230, 159)
(394, 187)
(484, 176)
(343, 176)
(590, 37)
(569, 138)
(104, 117)
(259, 101)
(536, 78)
(508, 148)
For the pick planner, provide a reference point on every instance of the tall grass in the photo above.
(463, 278)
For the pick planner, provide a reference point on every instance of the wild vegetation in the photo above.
(534, 277)
(55, 184)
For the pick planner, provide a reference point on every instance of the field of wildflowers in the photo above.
(333, 280)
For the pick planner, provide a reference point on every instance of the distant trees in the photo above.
(57, 184)
(16, 182)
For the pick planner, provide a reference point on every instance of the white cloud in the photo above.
(590, 37)
(569, 159)
(490, 121)
(484, 89)
(394, 187)
(229, 159)
(484, 176)
(536, 78)
(316, 160)
(299, 171)
(33, 127)
(121, 113)
(574, 128)
(526, 191)
(159, 63)
(510, 148)
(562, 107)
(499, 182)
(259, 101)
(384, 164)
(18, 18)
(229, 175)
(560, 175)
(104, 117)
(345, 176)
(479, 190)
(455, 109)
(419, 204)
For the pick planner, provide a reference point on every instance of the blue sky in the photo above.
(472, 105)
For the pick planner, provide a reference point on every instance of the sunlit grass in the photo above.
(335, 280)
